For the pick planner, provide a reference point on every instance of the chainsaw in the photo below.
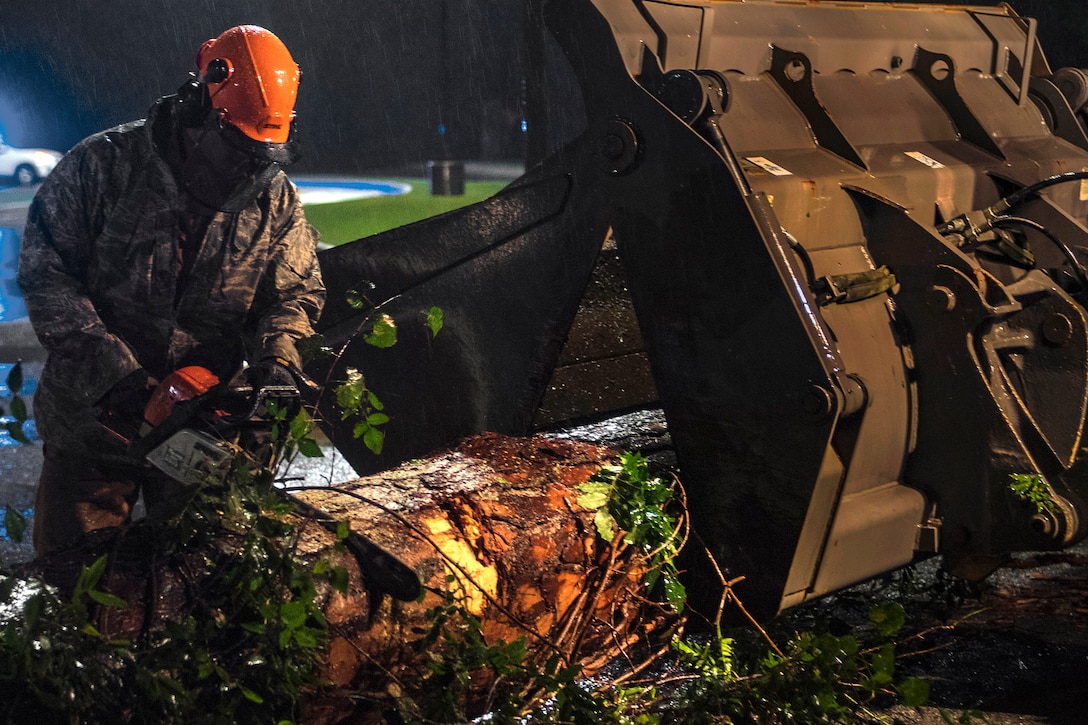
(196, 427)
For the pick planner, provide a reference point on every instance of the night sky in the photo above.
(379, 78)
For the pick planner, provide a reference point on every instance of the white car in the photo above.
(27, 166)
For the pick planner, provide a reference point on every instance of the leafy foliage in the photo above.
(356, 400)
(18, 411)
(383, 332)
(817, 677)
(435, 320)
(245, 650)
(1032, 488)
(628, 497)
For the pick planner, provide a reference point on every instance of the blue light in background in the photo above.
(11, 297)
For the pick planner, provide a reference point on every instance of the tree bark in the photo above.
(495, 524)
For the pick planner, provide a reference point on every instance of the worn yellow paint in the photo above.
(477, 582)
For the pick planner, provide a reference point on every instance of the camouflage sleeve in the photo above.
(291, 293)
(53, 263)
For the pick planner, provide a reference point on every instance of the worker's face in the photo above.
(216, 173)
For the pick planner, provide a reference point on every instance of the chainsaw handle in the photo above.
(260, 396)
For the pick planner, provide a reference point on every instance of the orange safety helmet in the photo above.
(180, 385)
(252, 81)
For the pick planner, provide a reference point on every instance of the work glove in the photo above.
(129, 396)
(271, 372)
(122, 407)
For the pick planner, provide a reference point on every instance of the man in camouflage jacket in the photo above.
(153, 246)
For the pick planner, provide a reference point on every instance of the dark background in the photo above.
(379, 78)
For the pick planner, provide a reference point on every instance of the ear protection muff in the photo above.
(193, 103)
(218, 71)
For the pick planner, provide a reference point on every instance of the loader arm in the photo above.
(853, 356)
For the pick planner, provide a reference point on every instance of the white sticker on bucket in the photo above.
(923, 159)
(769, 166)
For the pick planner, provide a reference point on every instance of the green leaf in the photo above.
(1034, 489)
(15, 379)
(312, 348)
(594, 494)
(309, 448)
(384, 333)
(90, 575)
(593, 501)
(14, 524)
(355, 299)
(18, 409)
(434, 320)
(252, 696)
(377, 419)
(374, 439)
(883, 663)
(604, 521)
(293, 614)
(301, 425)
(374, 402)
(15, 430)
(306, 638)
(914, 691)
(889, 617)
(675, 592)
(349, 394)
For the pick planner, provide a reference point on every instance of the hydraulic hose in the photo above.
(985, 220)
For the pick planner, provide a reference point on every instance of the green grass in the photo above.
(347, 221)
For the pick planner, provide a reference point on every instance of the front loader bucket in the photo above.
(859, 351)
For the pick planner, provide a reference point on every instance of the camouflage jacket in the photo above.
(99, 269)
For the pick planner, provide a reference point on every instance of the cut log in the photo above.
(492, 527)
(496, 524)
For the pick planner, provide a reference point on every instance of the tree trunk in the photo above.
(494, 524)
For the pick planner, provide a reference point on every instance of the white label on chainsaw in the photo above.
(923, 159)
(769, 166)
